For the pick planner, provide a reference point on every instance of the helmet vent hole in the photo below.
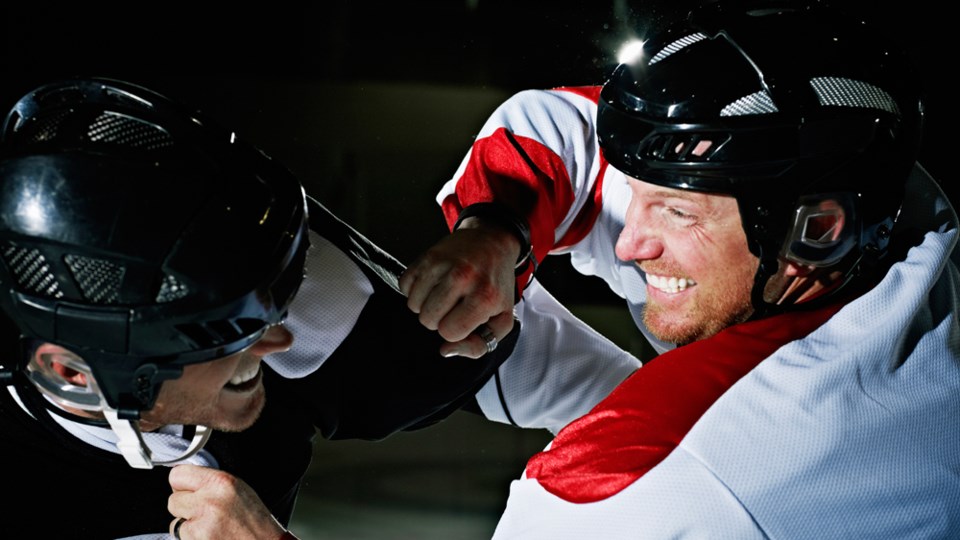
(677, 46)
(171, 289)
(99, 280)
(692, 148)
(121, 129)
(685, 147)
(843, 92)
(31, 270)
(755, 103)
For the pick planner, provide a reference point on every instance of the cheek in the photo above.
(724, 256)
(212, 374)
(743, 264)
(206, 377)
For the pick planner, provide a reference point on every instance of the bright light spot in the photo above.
(631, 52)
(30, 210)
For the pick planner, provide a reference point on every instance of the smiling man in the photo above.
(748, 185)
(676, 237)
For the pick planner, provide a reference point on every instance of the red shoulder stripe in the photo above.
(521, 173)
(647, 416)
(588, 214)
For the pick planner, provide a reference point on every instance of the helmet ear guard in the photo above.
(826, 228)
(43, 373)
(823, 231)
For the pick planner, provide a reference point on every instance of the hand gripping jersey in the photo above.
(840, 423)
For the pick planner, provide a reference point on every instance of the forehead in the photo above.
(713, 202)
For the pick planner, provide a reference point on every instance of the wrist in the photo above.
(502, 217)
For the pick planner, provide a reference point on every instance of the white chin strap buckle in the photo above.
(135, 449)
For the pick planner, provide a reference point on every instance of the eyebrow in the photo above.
(677, 194)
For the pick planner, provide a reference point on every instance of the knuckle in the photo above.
(464, 272)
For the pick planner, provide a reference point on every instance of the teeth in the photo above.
(669, 284)
(241, 378)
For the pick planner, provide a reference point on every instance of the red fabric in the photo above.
(521, 173)
(647, 416)
(588, 214)
(533, 180)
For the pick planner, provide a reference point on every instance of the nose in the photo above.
(638, 241)
(275, 339)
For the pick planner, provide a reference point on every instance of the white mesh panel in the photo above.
(842, 92)
(676, 46)
(756, 103)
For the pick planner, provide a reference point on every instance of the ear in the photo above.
(60, 361)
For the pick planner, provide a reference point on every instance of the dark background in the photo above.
(373, 105)
(329, 71)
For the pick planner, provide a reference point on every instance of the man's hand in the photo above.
(216, 504)
(463, 281)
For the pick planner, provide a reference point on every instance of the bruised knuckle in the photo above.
(487, 295)
(222, 482)
(465, 272)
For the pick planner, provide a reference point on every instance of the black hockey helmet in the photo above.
(781, 105)
(140, 235)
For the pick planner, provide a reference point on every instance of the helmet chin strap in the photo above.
(136, 451)
(130, 439)
(90, 398)
(767, 268)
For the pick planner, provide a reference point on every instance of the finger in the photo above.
(183, 503)
(470, 347)
(420, 283)
(467, 315)
(187, 477)
(475, 345)
(502, 323)
(408, 277)
(417, 290)
(176, 528)
(443, 299)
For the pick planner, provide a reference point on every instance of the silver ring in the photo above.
(487, 335)
(176, 527)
